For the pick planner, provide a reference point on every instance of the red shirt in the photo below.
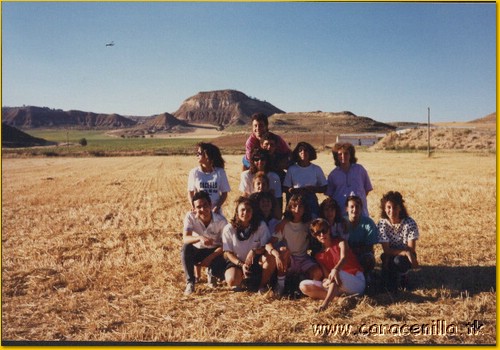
(331, 257)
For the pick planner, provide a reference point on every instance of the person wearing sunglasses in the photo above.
(209, 176)
(342, 271)
(260, 163)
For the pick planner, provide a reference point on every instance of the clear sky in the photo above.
(386, 61)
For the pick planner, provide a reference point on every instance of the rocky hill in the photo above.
(490, 118)
(43, 117)
(12, 137)
(337, 122)
(222, 107)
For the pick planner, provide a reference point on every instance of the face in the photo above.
(321, 233)
(202, 157)
(269, 145)
(344, 157)
(392, 210)
(303, 154)
(260, 163)
(258, 128)
(244, 213)
(354, 211)
(260, 186)
(202, 209)
(329, 214)
(266, 206)
(297, 209)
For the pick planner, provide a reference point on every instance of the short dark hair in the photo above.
(261, 117)
(201, 195)
(308, 147)
(354, 198)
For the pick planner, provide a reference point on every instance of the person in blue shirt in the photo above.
(363, 233)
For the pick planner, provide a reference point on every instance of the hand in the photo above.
(279, 265)
(206, 241)
(335, 277)
(322, 308)
(250, 258)
(246, 270)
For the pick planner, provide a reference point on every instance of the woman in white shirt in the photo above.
(209, 176)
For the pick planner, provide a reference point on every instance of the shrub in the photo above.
(83, 142)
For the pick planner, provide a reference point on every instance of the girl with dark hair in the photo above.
(398, 233)
(243, 242)
(209, 175)
(289, 246)
(348, 176)
(304, 177)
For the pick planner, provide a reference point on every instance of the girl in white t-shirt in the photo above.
(209, 175)
(243, 242)
(292, 244)
(304, 177)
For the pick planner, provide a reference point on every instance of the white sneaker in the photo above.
(189, 288)
(211, 280)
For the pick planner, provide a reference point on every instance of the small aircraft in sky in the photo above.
(110, 44)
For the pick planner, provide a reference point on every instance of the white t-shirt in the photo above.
(231, 243)
(213, 230)
(298, 177)
(246, 183)
(296, 237)
(215, 183)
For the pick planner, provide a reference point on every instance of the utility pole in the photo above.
(428, 132)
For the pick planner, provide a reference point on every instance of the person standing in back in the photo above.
(260, 127)
(348, 176)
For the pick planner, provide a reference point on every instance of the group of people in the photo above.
(279, 232)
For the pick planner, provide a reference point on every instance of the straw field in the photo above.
(91, 252)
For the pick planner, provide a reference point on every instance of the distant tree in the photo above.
(83, 142)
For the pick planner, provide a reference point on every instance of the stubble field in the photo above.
(91, 252)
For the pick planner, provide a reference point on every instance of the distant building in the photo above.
(360, 139)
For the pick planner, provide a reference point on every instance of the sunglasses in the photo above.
(256, 159)
(318, 233)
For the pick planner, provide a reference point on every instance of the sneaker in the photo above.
(189, 289)
(211, 279)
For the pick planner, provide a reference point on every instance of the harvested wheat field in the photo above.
(91, 252)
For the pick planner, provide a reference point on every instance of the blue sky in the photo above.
(386, 61)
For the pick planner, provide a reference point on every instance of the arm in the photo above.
(230, 256)
(219, 203)
(190, 198)
(208, 260)
(408, 251)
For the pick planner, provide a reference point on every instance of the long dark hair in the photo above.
(397, 199)
(243, 233)
(257, 197)
(329, 202)
(213, 153)
(259, 153)
(297, 199)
